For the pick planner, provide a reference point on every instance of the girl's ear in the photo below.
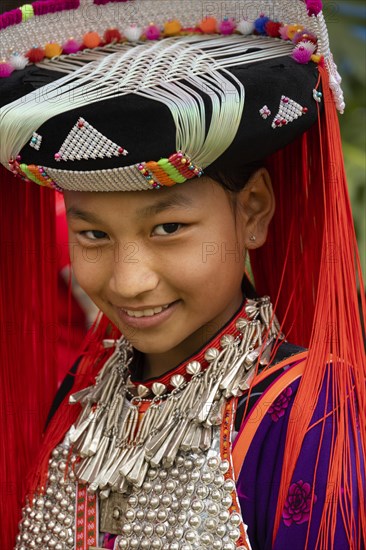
(256, 203)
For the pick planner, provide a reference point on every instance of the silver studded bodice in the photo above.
(186, 506)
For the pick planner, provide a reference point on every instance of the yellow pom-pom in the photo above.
(91, 40)
(293, 29)
(27, 12)
(172, 27)
(52, 50)
(316, 58)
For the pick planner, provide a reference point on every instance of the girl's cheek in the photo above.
(90, 267)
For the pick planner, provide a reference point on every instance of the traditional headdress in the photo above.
(148, 94)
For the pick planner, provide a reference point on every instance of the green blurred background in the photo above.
(347, 27)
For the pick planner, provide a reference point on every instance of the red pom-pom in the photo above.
(5, 70)
(112, 35)
(273, 29)
(314, 7)
(35, 55)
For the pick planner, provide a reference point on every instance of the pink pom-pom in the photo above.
(305, 35)
(301, 55)
(71, 46)
(152, 32)
(227, 26)
(314, 7)
(283, 31)
(5, 70)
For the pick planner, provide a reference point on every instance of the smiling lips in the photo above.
(149, 312)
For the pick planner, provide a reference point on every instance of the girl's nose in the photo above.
(133, 274)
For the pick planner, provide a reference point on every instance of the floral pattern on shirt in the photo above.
(278, 408)
(298, 503)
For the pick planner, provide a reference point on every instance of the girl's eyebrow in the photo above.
(73, 212)
(177, 200)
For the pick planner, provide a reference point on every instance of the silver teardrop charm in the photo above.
(142, 391)
(227, 340)
(241, 324)
(177, 380)
(193, 368)
(211, 354)
(158, 389)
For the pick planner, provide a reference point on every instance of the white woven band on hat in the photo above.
(58, 27)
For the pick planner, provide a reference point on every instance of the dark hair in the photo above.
(233, 179)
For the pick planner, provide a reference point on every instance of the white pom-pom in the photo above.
(18, 61)
(133, 33)
(307, 45)
(245, 27)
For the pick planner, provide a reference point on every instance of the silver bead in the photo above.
(175, 473)
(158, 388)
(188, 464)
(129, 514)
(182, 518)
(197, 506)
(60, 517)
(145, 544)
(210, 524)
(213, 462)
(211, 354)
(241, 324)
(180, 491)
(140, 514)
(206, 539)
(185, 503)
(154, 502)
(49, 491)
(59, 496)
(174, 546)
(142, 500)
(40, 503)
(207, 477)
(142, 391)
(195, 475)
(132, 500)
(56, 452)
(134, 543)
(212, 509)
(122, 544)
(169, 534)
(147, 486)
(228, 546)
(166, 500)
(59, 546)
(64, 503)
(137, 529)
(202, 491)
(148, 530)
(221, 530)
(177, 380)
(190, 536)
(51, 524)
(170, 485)
(62, 466)
(194, 521)
(158, 488)
(219, 480)
(216, 495)
(175, 506)
(235, 519)
(224, 466)
(127, 529)
(163, 474)
(190, 488)
(67, 521)
(227, 501)
(179, 461)
(172, 519)
(224, 516)
(229, 485)
(48, 504)
(234, 533)
(162, 515)
(178, 532)
(199, 462)
(56, 529)
(193, 368)
(160, 530)
(217, 544)
(116, 514)
(151, 515)
(226, 340)
(156, 544)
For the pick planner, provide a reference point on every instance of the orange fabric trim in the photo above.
(246, 436)
(160, 174)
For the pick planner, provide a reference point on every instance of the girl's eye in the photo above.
(166, 229)
(94, 235)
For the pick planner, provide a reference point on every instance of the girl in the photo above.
(190, 421)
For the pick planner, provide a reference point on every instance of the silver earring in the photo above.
(252, 238)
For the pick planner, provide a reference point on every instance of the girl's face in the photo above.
(165, 266)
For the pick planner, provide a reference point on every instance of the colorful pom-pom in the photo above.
(272, 29)
(260, 24)
(314, 7)
(307, 45)
(27, 12)
(71, 46)
(208, 25)
(245, 27)
(112, 36)
(18, 61)
(316, 58)
(152, 32)
(171, 28)
(283, 32)
(301, 55)
(305, 35)
(292, 30)
(35, 55)
(91, 40)
(5, 70)
(133, 33)
(52, 49)
(227, 26)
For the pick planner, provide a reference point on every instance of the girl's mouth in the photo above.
(147, 317)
